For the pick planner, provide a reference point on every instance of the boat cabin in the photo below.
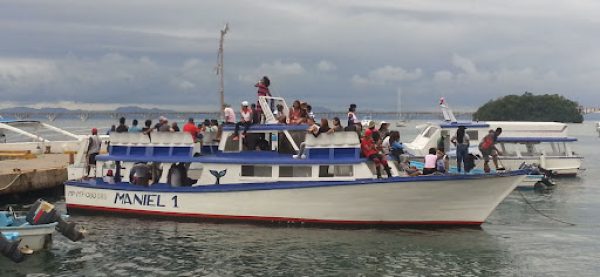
(265, 154)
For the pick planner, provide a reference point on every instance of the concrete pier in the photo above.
(24, 175)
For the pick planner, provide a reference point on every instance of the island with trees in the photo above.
(530, 107)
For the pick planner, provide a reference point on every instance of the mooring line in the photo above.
(543, 214)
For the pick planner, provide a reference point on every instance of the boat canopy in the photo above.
(466, 124)
(536, 139)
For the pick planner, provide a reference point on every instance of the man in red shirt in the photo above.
(368, 146)
(190, 127)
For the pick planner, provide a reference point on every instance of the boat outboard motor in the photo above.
(10, 249)
(43, 212)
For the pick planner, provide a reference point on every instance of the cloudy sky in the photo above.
(101, 54)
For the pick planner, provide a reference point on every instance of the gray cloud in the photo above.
(327, 52)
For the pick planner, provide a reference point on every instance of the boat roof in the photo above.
(469, 124)
(536, 139)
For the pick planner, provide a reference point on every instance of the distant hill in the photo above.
(529, 107)
(127, 109)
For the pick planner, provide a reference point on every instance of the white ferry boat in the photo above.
(159, 175)
(546, 144)
(38, 137)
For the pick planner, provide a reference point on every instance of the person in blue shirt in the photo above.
(134, 127)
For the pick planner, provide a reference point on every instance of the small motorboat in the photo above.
(34, 237)
(33, 232)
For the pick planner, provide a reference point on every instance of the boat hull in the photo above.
(35, 237)
(425, 200)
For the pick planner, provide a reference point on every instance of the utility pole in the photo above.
(220, 67)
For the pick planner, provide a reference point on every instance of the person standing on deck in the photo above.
(488, 148)
(352, 118)
(461, 140)
(190, 127)
(263, 90)
(93, 150)
(229, 114)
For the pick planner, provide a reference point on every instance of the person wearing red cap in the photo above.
(93, 149)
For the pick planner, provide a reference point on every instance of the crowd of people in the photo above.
(379, 145)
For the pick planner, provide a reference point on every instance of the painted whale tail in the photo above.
(218, 174)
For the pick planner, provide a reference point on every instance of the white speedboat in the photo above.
(333, 185)
(37, 137)
(544, 143)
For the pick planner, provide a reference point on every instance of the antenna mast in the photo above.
(220, 67)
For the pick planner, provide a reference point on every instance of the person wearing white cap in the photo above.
(384, 130)
(246, 120)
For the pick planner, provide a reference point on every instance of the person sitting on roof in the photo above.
(313, 129)
(370, 129)
(147, 127)
(122, 128)
(384, 130)
(246, 120)
(295, 116)
(309, 111)
(337, 126)
(256, 117)
(175, 127)
(134, 127)
(280, 115)
(368, 146)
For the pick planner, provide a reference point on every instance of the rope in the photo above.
(541, 213)
(12, 182)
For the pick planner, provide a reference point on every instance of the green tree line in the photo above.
(529, 107)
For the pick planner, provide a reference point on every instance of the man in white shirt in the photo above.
(246, 120)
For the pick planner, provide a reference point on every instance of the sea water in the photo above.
(515, 240)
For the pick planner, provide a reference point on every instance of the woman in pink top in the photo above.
(295, 113)
(430, 160)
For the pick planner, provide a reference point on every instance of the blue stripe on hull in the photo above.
(98, 184)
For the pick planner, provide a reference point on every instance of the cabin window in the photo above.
(343, 170)
(336, 171)
(256, 171)
(473, 135)
(552, 148)
(429, 131)
(295, 171)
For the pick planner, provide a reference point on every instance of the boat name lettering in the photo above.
(87, 194)
(141, 199)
